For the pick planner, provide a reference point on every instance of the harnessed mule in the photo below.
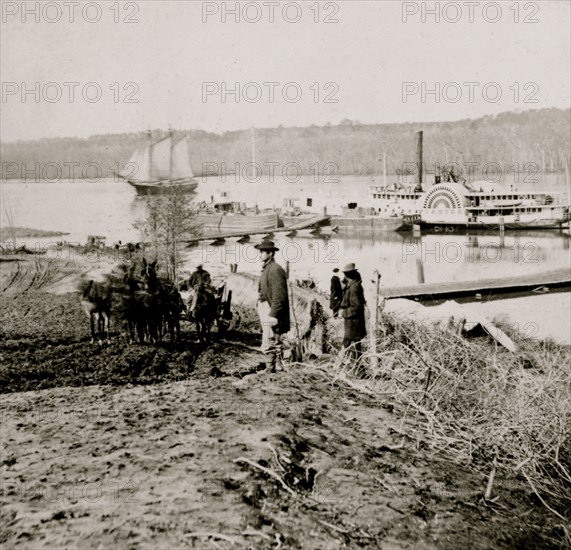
(166, 301)
(137, 308)
(96, 303)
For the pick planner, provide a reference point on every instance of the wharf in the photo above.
(537, 283)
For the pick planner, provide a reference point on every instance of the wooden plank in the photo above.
(553, 278)
(316, 220)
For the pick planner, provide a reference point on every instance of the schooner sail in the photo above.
(160, 166)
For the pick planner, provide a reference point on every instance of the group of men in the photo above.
(273, 306)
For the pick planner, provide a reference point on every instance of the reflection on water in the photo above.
(467, 257)
(450, 258)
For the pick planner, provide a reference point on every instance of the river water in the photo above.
(110, 208)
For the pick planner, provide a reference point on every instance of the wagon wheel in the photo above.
(225, 319)
(222, 325)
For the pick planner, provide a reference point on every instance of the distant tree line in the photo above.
(511, 140)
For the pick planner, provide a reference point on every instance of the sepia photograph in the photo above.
(285, 274)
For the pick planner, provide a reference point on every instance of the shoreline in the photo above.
(231, 175)
(522, 318)
(11, 233)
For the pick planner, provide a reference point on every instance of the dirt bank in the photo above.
(105, 467)
(196, 447)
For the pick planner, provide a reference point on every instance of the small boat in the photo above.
(505, 203)
(224, 216)
(349, 217)
(160, 167)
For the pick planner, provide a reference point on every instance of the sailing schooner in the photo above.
(159, 167)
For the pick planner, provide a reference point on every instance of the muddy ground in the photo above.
(187, 446)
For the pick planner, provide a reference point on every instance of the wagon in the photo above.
(220, 313)
(96, 241)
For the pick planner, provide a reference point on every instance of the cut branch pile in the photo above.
(506, 414)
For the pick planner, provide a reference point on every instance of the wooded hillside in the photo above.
(540, 136)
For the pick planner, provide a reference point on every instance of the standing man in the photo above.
(336, 293)
(353, 311)
(273, 304)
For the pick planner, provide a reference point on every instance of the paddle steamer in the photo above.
(482, 205)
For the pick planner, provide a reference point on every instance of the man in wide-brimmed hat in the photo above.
(353, 311)
(273, 304)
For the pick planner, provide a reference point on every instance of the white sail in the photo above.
(143, 168)
(137, 169)
(180, 162)
(161, 160)
(125, 171)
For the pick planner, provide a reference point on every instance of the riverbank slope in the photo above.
(181, 446)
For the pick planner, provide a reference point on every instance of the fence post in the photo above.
(374, 322)
(297, 350)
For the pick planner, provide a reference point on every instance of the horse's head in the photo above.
(149, 274)
(95, 292)
(126, 279)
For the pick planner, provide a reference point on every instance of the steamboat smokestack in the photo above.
(419, 174)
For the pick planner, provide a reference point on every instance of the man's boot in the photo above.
(277, 364)
(271, 365)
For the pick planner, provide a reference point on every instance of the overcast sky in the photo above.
(358, 64)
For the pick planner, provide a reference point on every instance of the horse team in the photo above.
(148, 305)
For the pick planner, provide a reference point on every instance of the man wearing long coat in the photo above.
(353, 310)
(273, 304)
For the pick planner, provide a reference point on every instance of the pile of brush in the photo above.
(508, 414)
